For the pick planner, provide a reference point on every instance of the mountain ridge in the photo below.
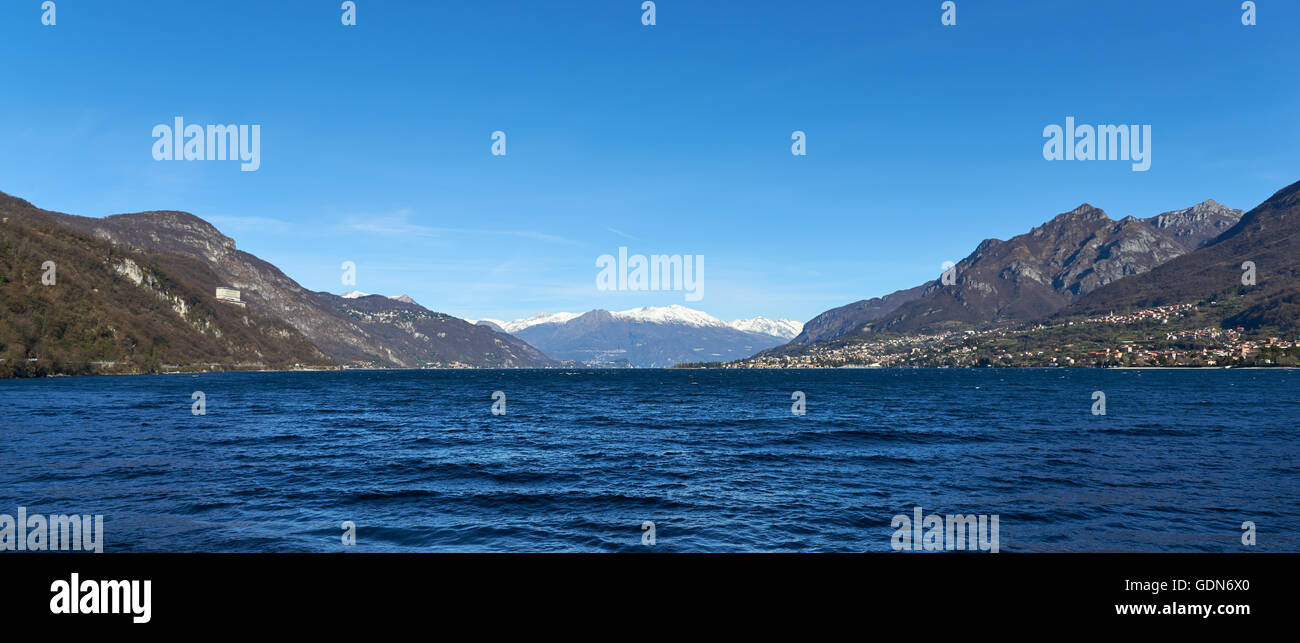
(649, 337)
(111, 309)
(400, 337)
(1029, 276)
(674, 313)
(1268, 236)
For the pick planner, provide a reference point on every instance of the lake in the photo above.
(582, 459)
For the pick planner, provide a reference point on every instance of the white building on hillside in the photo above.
(229, 295)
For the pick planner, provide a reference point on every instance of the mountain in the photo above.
(648, 337)
(850, 318)
(411, 335)
(354, 294)
(1029, 276)
(536, 320)
(1198, 225)
(363, 330)
(490, 323)
(783, 328)
(120, 309)
(1268, 236)
(1035, 274)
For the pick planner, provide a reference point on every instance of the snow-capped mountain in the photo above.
(674, 314)
(526, 322)
(536, 320)
(647, 336)
(783, 328)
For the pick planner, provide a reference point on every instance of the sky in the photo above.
(376, 139)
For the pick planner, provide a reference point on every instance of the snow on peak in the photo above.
(540, 318)
(406, 299)
(783, 328)
(674, 314)
(354, 294)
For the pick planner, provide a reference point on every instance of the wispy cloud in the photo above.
(398, 224)
(621, 233)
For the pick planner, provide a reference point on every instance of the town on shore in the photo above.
(1163, 336)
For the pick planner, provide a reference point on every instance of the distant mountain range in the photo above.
(1029, 276)
(784, 328)
(164, 290)
(147, 299)
(647, 337)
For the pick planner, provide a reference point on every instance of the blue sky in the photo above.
(923, 139)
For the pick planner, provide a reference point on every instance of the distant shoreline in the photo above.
(671, 368)
(990, 368)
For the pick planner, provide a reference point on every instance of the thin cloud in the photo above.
(398, 225)
(621, 233)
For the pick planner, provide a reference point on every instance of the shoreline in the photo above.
(671, 368)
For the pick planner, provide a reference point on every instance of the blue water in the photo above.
(714, 458)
